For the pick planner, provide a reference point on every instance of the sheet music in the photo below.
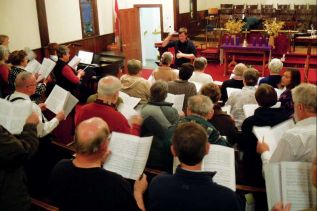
(198, 85)
(74, 62)
(60, 100)
(128, 157)
(85, 57)
(13, 116)
(248, 109)
(221, 160)
(226, 109)
(46, 67)
(33, 66)
(177, 100)
(273, 184)
(70, 104)
(296, 184)
(219, 83)
(231, 90)
(272, 136)
(128, 100)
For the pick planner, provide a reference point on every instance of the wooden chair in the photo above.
(252, 7)
(226, 6)
(266, 6)
(283, 6)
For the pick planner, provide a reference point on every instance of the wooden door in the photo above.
(130, 33)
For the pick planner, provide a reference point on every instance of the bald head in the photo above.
(108, 86)
(90, 135)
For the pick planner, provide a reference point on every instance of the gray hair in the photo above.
(200, 104)
(108, 86)
(200, 63)
(30, 55)
(275, 66)
(3, 52)
(306, 94)
(167, 58)
(22, 77)
(62, 50)
(158, 91)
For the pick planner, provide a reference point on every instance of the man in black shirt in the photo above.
(82, 183)
(185, 49)
(190, 188)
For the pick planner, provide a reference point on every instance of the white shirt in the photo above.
(296, 144)
(42, 128)
(237, 100)
(200, 77)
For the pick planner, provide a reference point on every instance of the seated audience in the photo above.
(235, 82)
(200, 110)
(14, 152)
(181, 85)
(290, 79)
(105, 107)
(298, 143)
(265, 115)
(164, 71)
(25, 84)
(190, 188)
(200, 64)
(243, 97)
(65, 76)
(82, 183)
(4, 71)
(158, 116)
(274, 79)
(221, 120)
(133, 84)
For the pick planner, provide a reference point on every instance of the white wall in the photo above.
(105, 16)
(184, 6)
(19, 21)
(63, 19)
(167, 7)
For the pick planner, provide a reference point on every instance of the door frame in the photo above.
(138, 6)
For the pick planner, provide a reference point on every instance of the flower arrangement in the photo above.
(273, 27)
(234, 26)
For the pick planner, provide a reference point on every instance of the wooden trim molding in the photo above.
(42, 20)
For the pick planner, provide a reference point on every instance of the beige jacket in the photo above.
(136, 86)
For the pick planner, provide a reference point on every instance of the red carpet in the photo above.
(216, 71)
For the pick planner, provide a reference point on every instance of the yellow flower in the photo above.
(273, 27)
(234, 26)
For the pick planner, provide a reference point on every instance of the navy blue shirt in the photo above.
(272, 80)
(187, 190)
(186, 47)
